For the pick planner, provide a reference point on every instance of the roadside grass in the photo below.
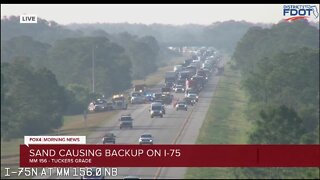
(75, 125)
(156, 77)
(225, 123)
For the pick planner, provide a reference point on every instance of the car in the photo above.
(99, 105)
(181, 106)
(109, 138)
(193, 96)
(146, 139)
(156, 109)
(149, 98)
(191, 91)
(126, 121)
(167, 98)
(179, 89)
(159, 101)
(137, 98)
(189, 101)
(163, 107)
(157, 96)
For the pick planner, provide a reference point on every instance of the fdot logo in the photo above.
(295, 12)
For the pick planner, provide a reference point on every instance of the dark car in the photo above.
(163, 107)
(126, 121)
(166, 89)
(167, 98)
(99, 105)
(157, 96)
(149, 98)
(169, 84)
(189, 101)
(181, 82)
(109, 138)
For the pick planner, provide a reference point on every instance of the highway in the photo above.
(176, 127)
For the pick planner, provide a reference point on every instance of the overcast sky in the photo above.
(177, 14)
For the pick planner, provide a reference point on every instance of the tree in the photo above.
(225, 35)
(78, 98)
(259, 43)
(280, 72)
(32, 99)
(278, 125)
(71, 59)
(143, 53)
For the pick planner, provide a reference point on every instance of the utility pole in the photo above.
(93, 69)
(85, 118)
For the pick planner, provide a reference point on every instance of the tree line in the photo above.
(280, 73)
(45, 76)
(222, 35)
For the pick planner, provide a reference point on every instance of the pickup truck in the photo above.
(126, 121)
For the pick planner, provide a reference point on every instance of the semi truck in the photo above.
(170, 78)
(139, 87)
(194, 84)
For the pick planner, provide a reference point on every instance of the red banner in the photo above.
(170, 156)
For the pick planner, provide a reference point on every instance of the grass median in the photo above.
(225, 123)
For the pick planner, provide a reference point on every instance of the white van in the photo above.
(156, 109)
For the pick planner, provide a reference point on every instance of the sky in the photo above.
(175, 14)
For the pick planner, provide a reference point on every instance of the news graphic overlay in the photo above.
(111, 155)
(54, 140)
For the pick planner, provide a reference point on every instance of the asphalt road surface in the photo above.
(176, 127)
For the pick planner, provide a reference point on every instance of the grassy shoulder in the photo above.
(225, 122)
(156, 77)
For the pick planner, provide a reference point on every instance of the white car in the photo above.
(146, 139)
(193, 96)
(181, 106)
(179, 88)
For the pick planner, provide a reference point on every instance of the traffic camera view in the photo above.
(148, 75)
